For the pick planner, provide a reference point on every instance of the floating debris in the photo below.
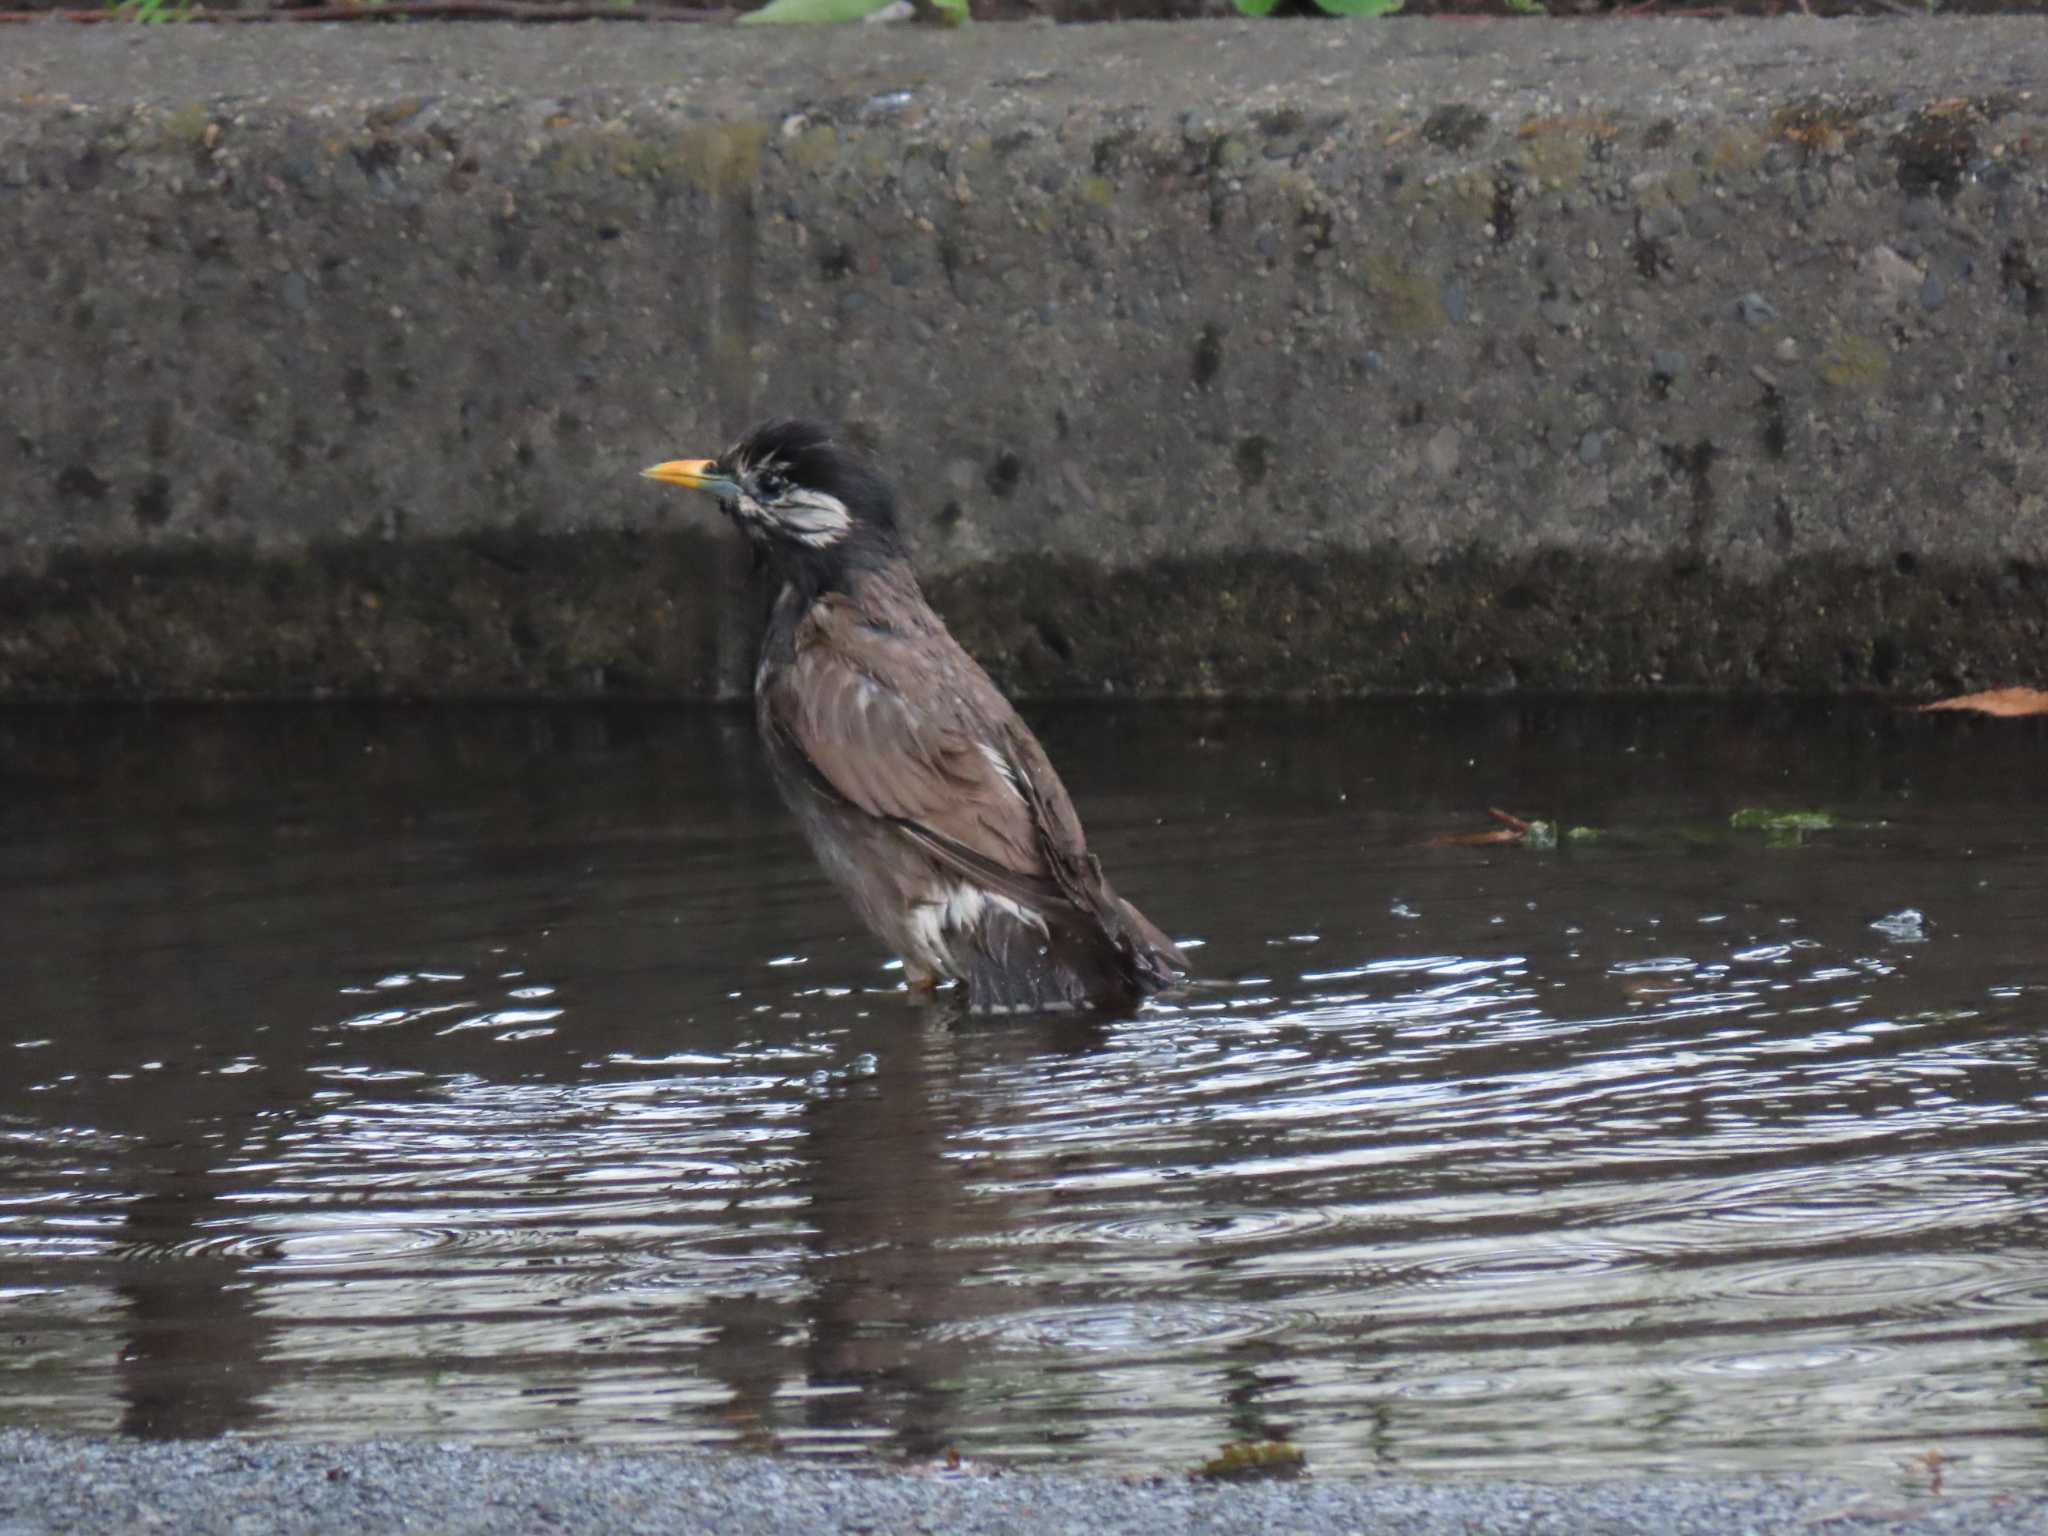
(1512, 829)
(1251, 1460)
(1782, 823)
(1908, 925)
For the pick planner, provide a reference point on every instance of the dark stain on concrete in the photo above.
(1005, 472)
(355, 389)
(84, 173)
(1932, 153)
(2016, 271)
(1502, 215)
(1772, 432)
(1783, 528)
(379, 157)
(152, 506)
(1652, 257)
(1252, 455)
(162, 425)
(76, 482)
(1693, 463)
(835, 261)
(1208, 356)
(1280, 122)
(1109, 152)
(1455, 125)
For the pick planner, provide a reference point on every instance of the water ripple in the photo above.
(566, 1103)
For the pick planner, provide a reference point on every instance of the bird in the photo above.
(924, 796)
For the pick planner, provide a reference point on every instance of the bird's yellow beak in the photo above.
(693, 475)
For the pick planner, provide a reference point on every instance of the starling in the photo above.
(925, 798)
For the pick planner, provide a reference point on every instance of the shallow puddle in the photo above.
(510, 1074)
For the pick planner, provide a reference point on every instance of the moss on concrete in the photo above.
(498, 613)
(638, 615)
(1271, 626)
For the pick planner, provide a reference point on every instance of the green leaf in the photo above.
(152, 12)
(804, 12)
(1255, 7)
(953, 13)
(1528, 7)
(1366, 8)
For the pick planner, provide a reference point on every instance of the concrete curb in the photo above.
(1211, 358)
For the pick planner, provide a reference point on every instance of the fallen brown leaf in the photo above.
(1512, 829)
(1997, 701)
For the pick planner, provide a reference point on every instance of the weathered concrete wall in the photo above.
(1240, 358)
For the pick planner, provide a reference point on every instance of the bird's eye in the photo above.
(770, 484)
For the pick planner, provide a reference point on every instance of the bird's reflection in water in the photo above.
(901, 1242)
(195, 1358)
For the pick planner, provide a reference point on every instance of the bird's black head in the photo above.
(812, 504)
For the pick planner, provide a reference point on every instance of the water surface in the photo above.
(510, 1075)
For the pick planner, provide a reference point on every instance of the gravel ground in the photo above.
(52, 1484)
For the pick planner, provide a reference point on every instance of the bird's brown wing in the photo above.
(902, 723)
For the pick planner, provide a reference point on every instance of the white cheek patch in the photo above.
(813, 517)
(810, 517)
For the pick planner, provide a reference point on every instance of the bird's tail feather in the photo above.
(1014, 966)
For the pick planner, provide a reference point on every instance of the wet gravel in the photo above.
(58, 1484)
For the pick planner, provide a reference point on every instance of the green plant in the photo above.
(1334, 7)
(152, 11)
(1527, 7)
